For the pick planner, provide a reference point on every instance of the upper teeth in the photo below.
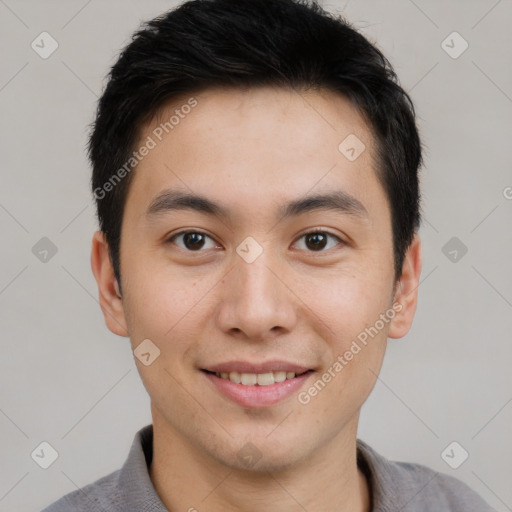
(262, 379)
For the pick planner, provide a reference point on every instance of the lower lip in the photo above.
(258, 396)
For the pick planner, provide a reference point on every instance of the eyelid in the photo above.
(319, 229)
(170, 239)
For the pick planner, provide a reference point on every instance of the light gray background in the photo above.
(67, 380)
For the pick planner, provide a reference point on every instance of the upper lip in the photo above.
(264, 367)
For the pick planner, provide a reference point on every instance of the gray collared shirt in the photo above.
(395, 486)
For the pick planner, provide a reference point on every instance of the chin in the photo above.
(263, 461)
(261, 454)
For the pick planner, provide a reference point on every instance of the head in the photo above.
(278, 138)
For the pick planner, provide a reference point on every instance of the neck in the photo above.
(187, 478)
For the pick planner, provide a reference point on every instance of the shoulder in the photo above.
(413, 487)
(435, 491)
(99, 496)
(129, 489)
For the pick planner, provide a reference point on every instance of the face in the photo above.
(256, 282)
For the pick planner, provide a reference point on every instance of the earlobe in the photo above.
(108, 288)
(406, 295)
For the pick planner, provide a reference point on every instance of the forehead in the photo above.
(259, 145)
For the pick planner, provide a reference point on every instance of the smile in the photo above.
(261, 387)
(257, 379)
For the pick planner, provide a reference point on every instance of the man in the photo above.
(255, 168)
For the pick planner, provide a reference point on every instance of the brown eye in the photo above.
(317, 241)
(192, 241)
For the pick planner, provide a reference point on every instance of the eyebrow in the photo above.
(339, 201)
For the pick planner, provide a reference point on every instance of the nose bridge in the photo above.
(252, 274)
(256, 280)
(255, 285)
(255, 301)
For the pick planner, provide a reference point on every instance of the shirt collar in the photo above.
(134, 482)
(140, 495)
(382, 479)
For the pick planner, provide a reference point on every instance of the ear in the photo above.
(110, 302)
(406, 296)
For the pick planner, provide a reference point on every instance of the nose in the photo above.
(256, 304)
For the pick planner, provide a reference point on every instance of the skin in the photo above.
(252, 150)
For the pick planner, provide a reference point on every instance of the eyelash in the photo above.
(315, 231)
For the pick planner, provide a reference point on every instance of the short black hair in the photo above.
(248, 43)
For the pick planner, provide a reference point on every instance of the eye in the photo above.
(316, 241)
(193, 241)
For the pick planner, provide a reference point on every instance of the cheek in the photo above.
(347, 301)
(351, 361)
(351, 306)
(168, 310)
(160, 300)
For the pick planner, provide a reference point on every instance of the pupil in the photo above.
(315, 241)
(194, 240)
(315, 238)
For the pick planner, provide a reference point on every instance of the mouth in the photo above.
(257, 379)
(261, 387)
